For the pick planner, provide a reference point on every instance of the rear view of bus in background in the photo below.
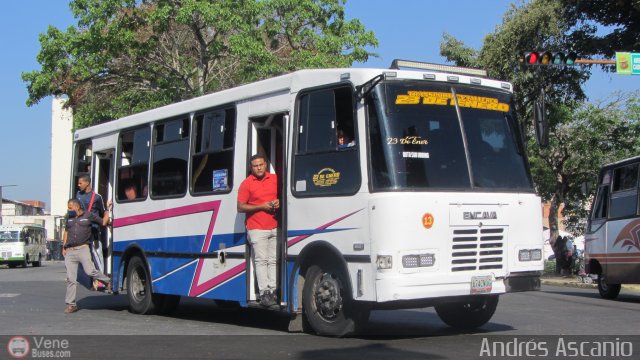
(612, 239)
(21, 245)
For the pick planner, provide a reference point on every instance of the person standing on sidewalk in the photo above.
(75, 249)
(258, 198)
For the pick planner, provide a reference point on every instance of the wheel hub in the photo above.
(137, 285)
(327, 297)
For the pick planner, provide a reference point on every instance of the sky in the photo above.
(406, 29)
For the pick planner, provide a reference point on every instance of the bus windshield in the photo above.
(9, 236)
(420, 139)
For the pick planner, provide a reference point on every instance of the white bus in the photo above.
(432, 204)
(612, 239)
(22, 245)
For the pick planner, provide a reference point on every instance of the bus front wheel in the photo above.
(139, 288)
(325, 302)
(468, 314)
(606, 290)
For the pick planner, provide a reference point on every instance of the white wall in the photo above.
(61, 141)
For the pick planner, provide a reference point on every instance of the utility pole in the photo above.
(1, 186)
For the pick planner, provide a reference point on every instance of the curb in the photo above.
(569, 282)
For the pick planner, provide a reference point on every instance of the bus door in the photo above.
(104, 186)
(267, 137)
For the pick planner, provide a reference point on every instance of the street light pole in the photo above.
(1, 186)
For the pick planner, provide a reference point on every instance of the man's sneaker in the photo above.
(274, 298)
(266, 299)
(70, 309)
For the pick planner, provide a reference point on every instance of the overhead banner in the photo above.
(627, 63)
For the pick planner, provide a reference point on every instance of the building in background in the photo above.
(32, 212)
(61, 142)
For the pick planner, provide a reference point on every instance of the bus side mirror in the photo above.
(540, 123)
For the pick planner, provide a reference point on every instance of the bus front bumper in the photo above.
(395, 288)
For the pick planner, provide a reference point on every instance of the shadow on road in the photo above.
(383, 324)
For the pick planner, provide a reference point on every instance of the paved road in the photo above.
(32, 304)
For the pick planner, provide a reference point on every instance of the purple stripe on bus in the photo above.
(168, 213)
(199, 289)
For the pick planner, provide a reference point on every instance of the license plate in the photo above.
(481, 284)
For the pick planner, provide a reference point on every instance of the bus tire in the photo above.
(468, 314)
(37, 263)
(325, 302)
(606, 290)
(25, 262)
(141, 299)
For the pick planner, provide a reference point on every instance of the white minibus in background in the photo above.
(22, 245)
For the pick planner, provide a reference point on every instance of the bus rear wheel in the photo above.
(37, 263)
(468, 314)
(141, 298)
(606, 290)
(325, 302)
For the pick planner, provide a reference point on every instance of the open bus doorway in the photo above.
(104, 187)
(267, 138)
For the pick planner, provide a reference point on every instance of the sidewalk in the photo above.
(568, 281)
(575, 281)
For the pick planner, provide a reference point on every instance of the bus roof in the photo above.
(19, 227)
(288, 83)
(630, 160)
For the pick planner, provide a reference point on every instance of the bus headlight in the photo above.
(530, 255)
(384, 262)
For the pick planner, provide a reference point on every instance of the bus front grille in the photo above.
(475, 249)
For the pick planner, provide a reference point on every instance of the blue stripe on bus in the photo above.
(176, 283)
(185, 244)
(292, 233)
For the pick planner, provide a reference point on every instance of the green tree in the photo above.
(621, 18)
(525, 27)
(126, 56)
(584, 138)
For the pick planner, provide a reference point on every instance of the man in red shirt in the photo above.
(258, 198)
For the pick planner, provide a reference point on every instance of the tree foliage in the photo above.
(525, 27)
(126, 56)
(583, 136)
(619, 18)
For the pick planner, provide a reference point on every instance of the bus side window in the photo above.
(321, 165)
(624, 195)
(170, 158)
(133, 164)
(600, 205)
(83, 161)
(212, 158)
